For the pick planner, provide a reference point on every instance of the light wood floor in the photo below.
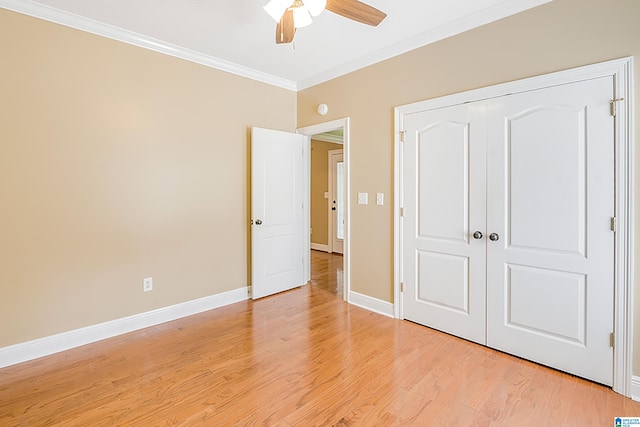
(300, 358)
(327, 272)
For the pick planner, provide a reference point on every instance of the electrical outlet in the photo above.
(147, 284)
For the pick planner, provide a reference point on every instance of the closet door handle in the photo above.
(477, 235)
(494, 237)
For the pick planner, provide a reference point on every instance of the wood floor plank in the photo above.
(303, 357)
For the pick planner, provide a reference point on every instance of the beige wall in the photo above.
(320, 184)
(556, 36)
(118, 163)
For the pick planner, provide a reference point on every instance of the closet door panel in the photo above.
(444, 204)
(550, 201)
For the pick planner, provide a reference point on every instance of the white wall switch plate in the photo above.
(380, 199)
(363, 198)
(147, 284)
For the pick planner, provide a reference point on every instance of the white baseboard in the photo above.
(30, 350)
(319, 247)
(635, 388)
(372, 304)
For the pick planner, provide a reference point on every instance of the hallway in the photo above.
(327, 272)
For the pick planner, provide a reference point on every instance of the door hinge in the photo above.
(401, 286)
(612, 339)
(612, 104)
(613, 224)
(401, 212)
(402, 134)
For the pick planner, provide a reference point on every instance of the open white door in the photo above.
(277, 209)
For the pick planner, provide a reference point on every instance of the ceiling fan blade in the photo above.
(285, 30)
(357, 11)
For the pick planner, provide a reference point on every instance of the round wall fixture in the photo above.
(323, 109)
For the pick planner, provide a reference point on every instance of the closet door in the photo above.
(550, 203)
(444, 204)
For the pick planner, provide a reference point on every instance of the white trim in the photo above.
(494, 13)
(635, 388)
(624, 211)
(30, 350)
(343, 123)
(328, 138)
(320, 247)
(52, 14)
(614, 67)
(306, 210)
(622, 71)
(372, 304)
(398, 185)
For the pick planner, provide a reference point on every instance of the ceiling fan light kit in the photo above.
(301, 17)
(304, 10)
(297, 14)
(276, 8)
(315, 7)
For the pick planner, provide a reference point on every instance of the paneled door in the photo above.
(550, 204)
(444, 220)
(277, 197)
(507, 237)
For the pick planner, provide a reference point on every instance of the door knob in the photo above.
(477, 235)
(258, 222)
(494, 237)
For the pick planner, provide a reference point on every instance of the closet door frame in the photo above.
(622, 72)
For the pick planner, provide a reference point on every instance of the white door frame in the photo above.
(622, 72)
(309, 131)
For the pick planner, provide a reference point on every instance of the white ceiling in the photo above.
(239, 36)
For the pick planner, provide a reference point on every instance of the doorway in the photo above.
(510, 229)
(336, 201)
(337, 131)
(506, 210)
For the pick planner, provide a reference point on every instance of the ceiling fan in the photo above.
(292, 14)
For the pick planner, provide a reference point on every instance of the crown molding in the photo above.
(325, 137)
(51, 14)
(48, 13)
(483, 17)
